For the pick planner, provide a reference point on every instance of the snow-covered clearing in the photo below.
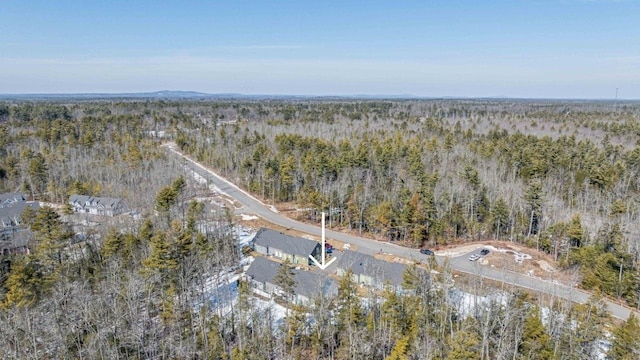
(199, 179)
(246, 217)
(221, 290)
(270, 308)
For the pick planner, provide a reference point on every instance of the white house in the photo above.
(97, 205)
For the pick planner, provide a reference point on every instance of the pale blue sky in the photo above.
(517, 48)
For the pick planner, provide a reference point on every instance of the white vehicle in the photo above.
(474, 257)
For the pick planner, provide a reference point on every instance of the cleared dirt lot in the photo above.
(513, 257)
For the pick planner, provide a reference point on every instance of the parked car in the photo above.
(484, 252)
(474, 257)
(426, 252)
(328, 248)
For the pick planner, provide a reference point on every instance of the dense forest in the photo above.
(560, 177)
(557, 176)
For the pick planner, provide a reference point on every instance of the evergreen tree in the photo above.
(350, 317)
(51, 236)
(24, 283)
(400, 350)
(535, 340)
(284, 278)
(575, 231)
(500, 215)
(161, 258)
(146, 230)
(464, 344)
(534, 199)
(584, 328)
(625, 344)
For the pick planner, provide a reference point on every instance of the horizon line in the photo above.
(194, 94)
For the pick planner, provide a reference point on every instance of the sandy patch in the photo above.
(546, 266)
(393, 258)
(461, 250)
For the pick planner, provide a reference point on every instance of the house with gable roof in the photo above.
(8, 199)
(369, 271)
(13, 235)
(296, 249)
(96, 205)
(308, 285)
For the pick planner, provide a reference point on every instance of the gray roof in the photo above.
(307, 283)
(361, 264)
(7, 199)
(263, 270)
(287, 244)
(94, 200)
(310, 284)
(10, 214)
(15, 239)
(75, 198)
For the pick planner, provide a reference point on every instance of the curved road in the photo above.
(369, 246)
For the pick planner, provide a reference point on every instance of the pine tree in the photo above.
(51, 237)
(165, 199)
(146, 231)
(161, 258)
(583, 330)
(464, 345)
(625, 344)
(535, 340)
(296, 331)
(112, 244)
(575, 231)
(500, 215)
(284, 278)
(350, 314)
(400, 350)
(534, 199)
(24, 283)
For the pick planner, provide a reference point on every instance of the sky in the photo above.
(583, 49)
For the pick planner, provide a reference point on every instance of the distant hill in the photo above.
(163, 94)
(192, 95)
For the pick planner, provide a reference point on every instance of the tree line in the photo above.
(423, 173)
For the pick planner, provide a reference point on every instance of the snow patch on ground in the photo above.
(520, 257)
(246, 217)
(216, 190)
(246, 262)
(245, 236)
(469, 304)
(221, 290)
(270, 308)
(199, 179)
(223, 296)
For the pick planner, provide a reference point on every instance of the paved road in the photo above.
(368, 246)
